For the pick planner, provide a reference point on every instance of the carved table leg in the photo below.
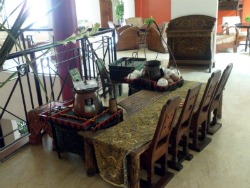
(35, 127)
(90, 160)
(134, 171)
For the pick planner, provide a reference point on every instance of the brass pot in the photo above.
(87, 103)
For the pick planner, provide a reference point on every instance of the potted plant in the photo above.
(119, 11)
(149, 21)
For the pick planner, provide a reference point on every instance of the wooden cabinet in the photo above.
(190, 41)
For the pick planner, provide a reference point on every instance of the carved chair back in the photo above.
(187, 110)
(104, 75)
(222, 83)
(181, 130)
(213, 126)
(159, 144)
(158, 148)
(208, 94)
(199, 121)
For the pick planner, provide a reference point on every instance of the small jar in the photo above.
(112, 105)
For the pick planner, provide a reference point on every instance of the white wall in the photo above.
(88, 10)
(8, 126)
(129, 8)
(189, 7)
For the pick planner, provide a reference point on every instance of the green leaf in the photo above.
(13, 34)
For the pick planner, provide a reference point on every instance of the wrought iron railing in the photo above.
(31, 88)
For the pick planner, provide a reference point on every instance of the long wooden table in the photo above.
(117, 150)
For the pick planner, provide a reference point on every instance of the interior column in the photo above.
(64, 25)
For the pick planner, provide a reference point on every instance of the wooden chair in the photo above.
(199, 120)
(180, 132)
(231, 21)
(107, 85)
(156, 40)
(127, 37)
(217, 99)
(227, 39)
(158, 148)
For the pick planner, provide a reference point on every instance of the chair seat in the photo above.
(231, 21)
(224, 41)
(220, 39)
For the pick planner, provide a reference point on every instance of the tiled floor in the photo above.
(224, 163)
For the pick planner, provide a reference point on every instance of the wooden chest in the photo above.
(190, 41)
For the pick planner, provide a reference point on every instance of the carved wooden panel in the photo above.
(191, 48)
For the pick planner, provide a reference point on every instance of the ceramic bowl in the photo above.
(137, 73)
(167, 72)
(176, 72)
(162, 82)
(132, 76)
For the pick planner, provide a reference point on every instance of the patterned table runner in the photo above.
(139, 100)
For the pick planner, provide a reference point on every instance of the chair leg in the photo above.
(203, 130)
(235, 49)
(214, 121)
(200, 142)
(150, 173)
(174, 162)
(214, 126)
(188, 156)
(194, 136)
(175, 151)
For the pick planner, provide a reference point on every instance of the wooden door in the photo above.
(106, 12)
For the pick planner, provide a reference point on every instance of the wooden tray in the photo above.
(169, 87)
(67, 118)
(146, 84)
